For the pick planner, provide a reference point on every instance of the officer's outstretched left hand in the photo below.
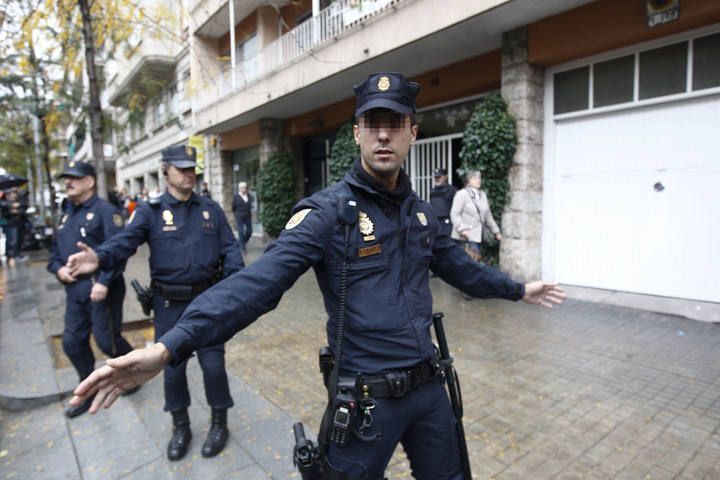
(543, 293)
(84, 262)
(120, 374)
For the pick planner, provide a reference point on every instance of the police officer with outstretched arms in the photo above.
(94, 302)
(371, 241)
(191, 247)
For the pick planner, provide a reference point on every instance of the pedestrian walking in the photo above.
(371, 241)
(12, 210)
(93, 301)
(242, 208)
(473, 222)
(191, 247)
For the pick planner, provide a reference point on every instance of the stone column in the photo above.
(523, 89)
(271, 138)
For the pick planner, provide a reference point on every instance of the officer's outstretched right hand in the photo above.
(84, 262)
(107, 383)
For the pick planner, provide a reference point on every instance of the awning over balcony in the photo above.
(149, 75)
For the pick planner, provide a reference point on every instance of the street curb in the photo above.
(18, 404)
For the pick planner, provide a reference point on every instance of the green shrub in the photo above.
(276, 187)
(344, 151)
(489, 144)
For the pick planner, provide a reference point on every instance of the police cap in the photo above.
(182, 156)
(78, 170)
(386, 90)
(440, 172)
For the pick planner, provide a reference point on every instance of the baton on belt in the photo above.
(453, 385)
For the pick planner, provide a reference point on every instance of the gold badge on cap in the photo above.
(297, 219)
(167, 216)
(189, 151)
(117, 219)
(89, 216)
(71, 164)
(423, 219)
(383, 83)
(206, 215)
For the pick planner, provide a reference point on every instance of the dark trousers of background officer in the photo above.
(422, 421)
(212, 363)
(445, 225)
(103, 319)
(244, 226)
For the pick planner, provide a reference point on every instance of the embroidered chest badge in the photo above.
(366, 226)
(167, 216)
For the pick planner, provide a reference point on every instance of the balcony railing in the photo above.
(330, 23)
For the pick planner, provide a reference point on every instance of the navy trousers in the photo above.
(103, 319)
(212, 363)
(244, 226)
(422, 421)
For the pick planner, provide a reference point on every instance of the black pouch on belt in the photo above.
(178, 293)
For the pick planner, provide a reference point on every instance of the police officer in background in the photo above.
(441, 198)
(370, 240)
(94, 303)
(191, 247)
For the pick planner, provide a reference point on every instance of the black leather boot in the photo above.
(180, 441)
(218, 434)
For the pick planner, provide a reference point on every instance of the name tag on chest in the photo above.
(367, 251)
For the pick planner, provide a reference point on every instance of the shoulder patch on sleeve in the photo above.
(118, 220)
(297, 219)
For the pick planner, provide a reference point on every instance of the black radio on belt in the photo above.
(344, 410)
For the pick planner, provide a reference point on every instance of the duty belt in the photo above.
(397, 383)
(179, 292)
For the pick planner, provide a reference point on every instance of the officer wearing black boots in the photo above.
(371, 241)
(191, 247)
(94, 302)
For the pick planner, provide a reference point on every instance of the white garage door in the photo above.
(637, 200)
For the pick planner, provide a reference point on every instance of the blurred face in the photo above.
(181, 179)
(242, 187)
(79, 189)
(384, 138)
(11, 195)
(475, 181)
(441, 180)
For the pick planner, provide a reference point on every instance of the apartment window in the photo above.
(245, 54)
(706, 62)
(679, 68)
(613, 81)
(571, 90)
(663, 71)
(173, 101)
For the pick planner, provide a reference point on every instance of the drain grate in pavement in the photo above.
(138, 333)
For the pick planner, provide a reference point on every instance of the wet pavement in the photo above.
(583, 391)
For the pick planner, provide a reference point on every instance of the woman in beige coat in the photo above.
(470, 211)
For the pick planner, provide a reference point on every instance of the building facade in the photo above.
(148, 95)
(616, 104)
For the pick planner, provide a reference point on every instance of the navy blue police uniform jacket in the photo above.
(92, 222)
(389, 303)
(187, 240)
